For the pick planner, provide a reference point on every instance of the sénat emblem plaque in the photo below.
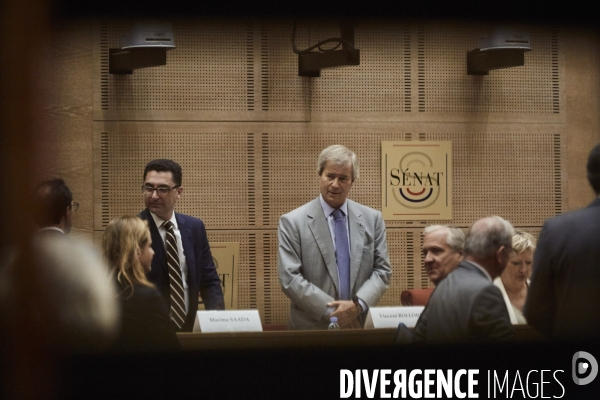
(416, 180)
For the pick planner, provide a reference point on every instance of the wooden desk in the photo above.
(271, 339)
(279, 339)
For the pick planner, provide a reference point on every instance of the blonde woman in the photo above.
(146, 325)
(514, 281)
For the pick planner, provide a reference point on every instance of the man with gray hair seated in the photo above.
(466, 306)
(442, 251)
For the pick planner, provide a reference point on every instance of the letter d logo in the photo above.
(581, 367)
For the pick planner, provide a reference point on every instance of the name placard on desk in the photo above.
(228, 321)
(390, 317)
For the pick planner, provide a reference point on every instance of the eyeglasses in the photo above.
(74, 206)
(161, 190)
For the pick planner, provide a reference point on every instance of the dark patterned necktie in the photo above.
(342, 253)
(175, 281)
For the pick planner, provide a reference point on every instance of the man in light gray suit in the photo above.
(309, 253)
(466, 306)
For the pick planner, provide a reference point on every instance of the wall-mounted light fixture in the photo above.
(315, 58)
(145, 46)
(503, 48)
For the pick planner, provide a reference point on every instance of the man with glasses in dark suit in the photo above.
(182, 267)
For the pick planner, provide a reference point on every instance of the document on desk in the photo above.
(228, 321)
(390, 317)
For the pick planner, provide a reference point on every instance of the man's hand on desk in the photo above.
(347, 314)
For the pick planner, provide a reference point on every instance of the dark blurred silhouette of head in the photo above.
(53, 205)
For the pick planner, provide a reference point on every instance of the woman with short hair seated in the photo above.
(514, 281)
(146, 324)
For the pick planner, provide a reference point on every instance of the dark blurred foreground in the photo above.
(310, 371)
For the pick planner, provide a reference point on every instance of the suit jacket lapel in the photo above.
(317, 223)
(357, 241)
(188, 246)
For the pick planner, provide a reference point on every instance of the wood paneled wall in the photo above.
(230, 107)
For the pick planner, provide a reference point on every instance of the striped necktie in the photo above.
(342, 253)
(175, 281)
